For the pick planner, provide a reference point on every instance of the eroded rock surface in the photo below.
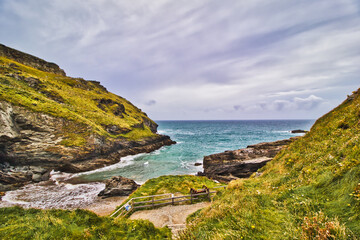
(118, 186)
(51, 121)
(241, 163)
(31, 139)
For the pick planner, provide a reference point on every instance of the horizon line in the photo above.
(264, 119)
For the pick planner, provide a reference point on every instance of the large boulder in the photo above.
(118, 186)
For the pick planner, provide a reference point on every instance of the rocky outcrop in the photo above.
(111, 153)
(30, 60)
(33, 139)
(51, 121)
(118, 186)
(298, 131)
(241, 163)
(12, 177)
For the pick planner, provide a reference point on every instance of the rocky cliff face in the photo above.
(51, 121)
(241, 163)
(30, 60)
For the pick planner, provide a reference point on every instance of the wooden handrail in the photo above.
(151, 203)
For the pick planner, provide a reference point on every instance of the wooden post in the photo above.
(208, 192)
(191, 198)
(153, 201)
(172, 199)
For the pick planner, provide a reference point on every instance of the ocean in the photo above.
(195, 139)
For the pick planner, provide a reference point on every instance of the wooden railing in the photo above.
(155, 201)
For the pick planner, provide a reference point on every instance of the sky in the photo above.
(200, 59)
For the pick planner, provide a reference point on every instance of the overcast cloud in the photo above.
(230, 59)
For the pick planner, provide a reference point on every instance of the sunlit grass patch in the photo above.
(18, 223)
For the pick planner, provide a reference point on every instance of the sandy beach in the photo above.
(105, 206)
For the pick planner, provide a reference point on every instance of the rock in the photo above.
(200, 174)
(97, 83)
(241, 163)
(30, 60)
(152, 125)
(36, 177)
(118, 108)
(10, 180)
(45, 176)
(118, 186)
(38, 170)
(298, 131)
(68, 168)
(197, 164)
(114, 129)
(2, 194)
(33, 139)
(34, 83)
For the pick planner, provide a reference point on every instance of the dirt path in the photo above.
(169, 215)
(106, 206)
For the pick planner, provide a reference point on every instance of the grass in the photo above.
(19, 223)
(173, 184)
(309, 191)
(74, 99)
(180, 184)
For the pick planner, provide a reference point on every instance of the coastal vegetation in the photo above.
(87, 104)
(309, 191)
(49, 121)
(177, 184)
(173, 184)
(19, 223)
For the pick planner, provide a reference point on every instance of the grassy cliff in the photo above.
(24, 82)
(311, 190)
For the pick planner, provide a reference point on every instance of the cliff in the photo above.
(51, 121)
(310, 190)
(30, 60)
(241, 163)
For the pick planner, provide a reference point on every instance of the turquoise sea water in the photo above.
(195, 139)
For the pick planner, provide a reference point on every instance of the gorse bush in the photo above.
(309, 191)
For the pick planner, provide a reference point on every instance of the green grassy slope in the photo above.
(18, 223)
(311, 190)
(173, 184)
(84, 102)
(180, 184)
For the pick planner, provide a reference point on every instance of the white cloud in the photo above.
(229, 59)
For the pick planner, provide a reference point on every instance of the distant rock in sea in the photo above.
(298, 131)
